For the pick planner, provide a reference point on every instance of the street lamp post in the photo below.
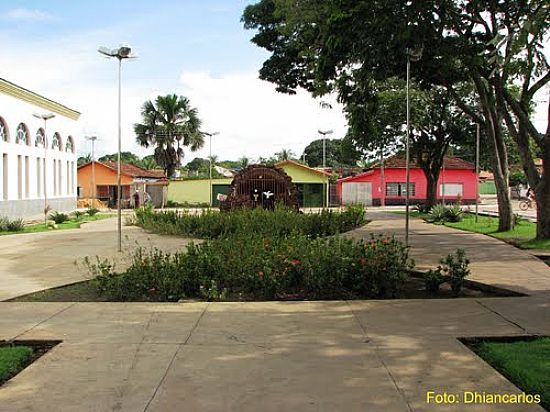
(93, 139)
(123, 52)
(477, 170)
(210, 158)
(45, 117)
(324, 133)
(411, 56)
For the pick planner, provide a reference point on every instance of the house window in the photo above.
(40, 138)
(399, 189)
(22, 134)
(56, 142)
(69, 146)
(451, 189)
(3, 131)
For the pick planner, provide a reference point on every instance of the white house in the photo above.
(34, 175)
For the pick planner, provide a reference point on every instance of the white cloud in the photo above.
(253, 119)
(28, 15)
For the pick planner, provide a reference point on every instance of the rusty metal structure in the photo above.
(260, 186)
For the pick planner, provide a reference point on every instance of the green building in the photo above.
(312, 185)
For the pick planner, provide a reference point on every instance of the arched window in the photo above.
(56, 142)
(4, 135)
(69, 146)
(40, 138)
(22, 134)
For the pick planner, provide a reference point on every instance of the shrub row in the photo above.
(255, 267)
(281, 222)
(8, 225)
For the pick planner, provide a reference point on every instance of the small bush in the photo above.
(78, 214)
(433, 280)
(438, 213)
(8, 225)
(256, 267)
(456, 268)
(59, 218)
(422, 208)
(92, 211)
(454, 213)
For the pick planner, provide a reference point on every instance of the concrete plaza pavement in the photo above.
(35, 261)
(272, 356)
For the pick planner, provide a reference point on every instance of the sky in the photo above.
(198, 49)
(195, 48)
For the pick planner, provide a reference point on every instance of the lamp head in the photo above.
(44, 116)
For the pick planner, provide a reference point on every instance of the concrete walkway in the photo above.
(302, 356)
(492, 261)
(36, 261)
(268, 356)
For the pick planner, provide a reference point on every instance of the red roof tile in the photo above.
(450, 162)
(132, 170)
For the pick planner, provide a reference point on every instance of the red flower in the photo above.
(295, 262)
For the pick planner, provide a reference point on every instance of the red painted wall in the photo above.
(466, 177)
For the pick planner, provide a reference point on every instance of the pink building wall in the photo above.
(465, 177)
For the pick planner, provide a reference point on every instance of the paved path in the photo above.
(36, 261)
(269, 356)
(273, 356)
(492, 261)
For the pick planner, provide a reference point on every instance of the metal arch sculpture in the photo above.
(260, 186)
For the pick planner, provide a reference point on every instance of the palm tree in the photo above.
(82, 160)
(169, 124)
(244, 162)
(284, 154)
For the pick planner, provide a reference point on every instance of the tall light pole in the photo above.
(45, 117)
(411, 56)
(210, 158)
(123, 52)
(324, 133)
(93, 139)
(477, 169)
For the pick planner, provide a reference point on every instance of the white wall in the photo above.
(24, 201)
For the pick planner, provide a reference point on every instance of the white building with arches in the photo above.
(38, 158)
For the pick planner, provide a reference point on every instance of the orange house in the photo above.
(134, 180)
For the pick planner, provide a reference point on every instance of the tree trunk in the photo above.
(543, 188)
(499, 158)
(431, 187)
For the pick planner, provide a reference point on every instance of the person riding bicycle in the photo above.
(530, 195)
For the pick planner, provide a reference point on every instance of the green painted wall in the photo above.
(301, 175)
(192, 191)
(487, 188)
(197, 191)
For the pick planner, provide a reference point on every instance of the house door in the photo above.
(357, 193)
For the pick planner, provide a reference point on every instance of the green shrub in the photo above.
(454, 213)
(456, 268)
(256, 267)
(78, 214)
(92, 211)
(422, 208)
(8, 225)
(212, 224)
(59, 218)
(433, 280)
(438, 213)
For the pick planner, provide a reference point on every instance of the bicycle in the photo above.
(525, 204)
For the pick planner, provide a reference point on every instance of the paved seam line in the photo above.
(379, 357)
(502, 316)
(47, 319)
(174, 357)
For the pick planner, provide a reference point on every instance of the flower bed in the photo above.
(255, 267)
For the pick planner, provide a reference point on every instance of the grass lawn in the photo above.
(12, 360)
(525, 363)
(522, 236)
(72, 224)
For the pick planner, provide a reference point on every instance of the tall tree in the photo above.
(338, 152)
(436, 123)
(284, 154)
(169, 124)
(321, 45)
(82, 160)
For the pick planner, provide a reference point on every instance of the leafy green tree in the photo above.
(338, 152)
(125, 157)
(169, 124)
(82, 160)
(149, 162)
(488, 47)
(285, 154)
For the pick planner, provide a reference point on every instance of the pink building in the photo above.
(456, 180)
